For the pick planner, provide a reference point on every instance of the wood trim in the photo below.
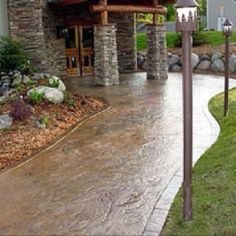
(129, 8)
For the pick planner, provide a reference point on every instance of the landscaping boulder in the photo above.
(4, 84)
(205, 57)
(173, 60)
(216, 56)
(52, 95)
(195, 60)
(218, 66)
(204, 65)
(5, 121)
(17, 79)
(232, 63)
(61, 85)
(176, 68)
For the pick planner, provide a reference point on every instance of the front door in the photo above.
(79, 50)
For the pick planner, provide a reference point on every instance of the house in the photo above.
(85, 37)
(218, 11)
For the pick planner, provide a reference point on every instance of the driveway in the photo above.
(106, 177)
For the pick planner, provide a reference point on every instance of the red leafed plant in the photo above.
(20, 110)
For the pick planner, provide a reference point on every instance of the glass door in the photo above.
(72, 51)
(79, 50)
(86, 49)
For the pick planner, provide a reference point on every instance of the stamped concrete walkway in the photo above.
(106, 177)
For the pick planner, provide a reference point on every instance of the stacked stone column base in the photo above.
(106, 61)
(163, 52)
(156, 53)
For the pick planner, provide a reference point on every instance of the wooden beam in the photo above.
(69, 2)
(129, 8)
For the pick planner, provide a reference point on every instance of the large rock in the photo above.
(173, 60)
(232, 63)
(216, 56)
(218, 66)
(61, 85)
(204, 65)
(52, 95)
(176, 68)
(205, 57)
(195, 60)
(5, 121)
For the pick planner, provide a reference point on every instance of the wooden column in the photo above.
(104, 14)
(155, 15)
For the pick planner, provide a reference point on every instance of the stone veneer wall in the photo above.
(126, 40)
(55, 48)
(35, 24)
(26, 24)
(106, 61)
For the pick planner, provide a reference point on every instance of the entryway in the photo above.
(79, 50)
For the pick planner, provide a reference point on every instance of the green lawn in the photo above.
(213, 38)
(214, 183)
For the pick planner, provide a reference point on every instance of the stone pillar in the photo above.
(106, 62)
(163, 51)
(126, 40)
(153, 52)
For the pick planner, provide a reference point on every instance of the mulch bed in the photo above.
(25, 138)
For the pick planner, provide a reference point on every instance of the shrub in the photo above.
(43, 120)
(69, 99)
(26, 68)
(178, 40)
(199, 39)
(20, 111)
(12, 54)
(35, 97)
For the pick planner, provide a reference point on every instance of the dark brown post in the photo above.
(188, 120)
(186, 24)
(227, 30)
(226, 93)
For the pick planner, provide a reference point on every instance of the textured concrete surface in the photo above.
(109, 176)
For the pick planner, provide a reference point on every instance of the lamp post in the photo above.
(186, 24)
(227, 30)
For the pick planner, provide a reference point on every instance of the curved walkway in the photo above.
(106, 177)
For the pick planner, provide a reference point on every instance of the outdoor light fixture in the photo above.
(187, 24)
(227, 30)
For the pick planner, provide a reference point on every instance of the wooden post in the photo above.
(104, 14)
(155, 15)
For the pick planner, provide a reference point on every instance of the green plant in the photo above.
(69, 99)
(178, 40)
(54, 83)
(199, 39)
(35, 97)
(43, 120)
(12, 54)
(26, 68)
(20, 110)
